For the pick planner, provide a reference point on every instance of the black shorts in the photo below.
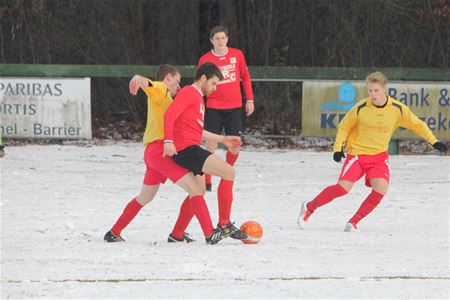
(228, 119)
(192, 158)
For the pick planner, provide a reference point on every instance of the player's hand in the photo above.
(439, 146)
(232, 141)
(249, 108)
(337, 156)
(169, 149)
(135, 84)
(2, 152)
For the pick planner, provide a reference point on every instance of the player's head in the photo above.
(376, 87)
(170, 76)
(219, 38)
(207, 77)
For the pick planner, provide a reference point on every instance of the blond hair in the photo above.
(376, 77)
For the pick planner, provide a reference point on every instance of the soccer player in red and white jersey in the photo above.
(224, 106)
(183, 128)
(159, 167)
(366, 130)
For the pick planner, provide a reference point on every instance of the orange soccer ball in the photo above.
(254, 231)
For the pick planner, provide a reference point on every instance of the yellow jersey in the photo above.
(367, 129)
(158, 101)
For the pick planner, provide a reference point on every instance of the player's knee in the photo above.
(381, 190)
(229, 172)
(144, 200)
(346, 185)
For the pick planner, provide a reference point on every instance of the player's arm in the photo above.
(174, 111)
(247, 83)
(411, 121)
(228, 140)
(136, 82)
(345, 126)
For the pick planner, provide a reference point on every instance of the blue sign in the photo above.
(346, 96)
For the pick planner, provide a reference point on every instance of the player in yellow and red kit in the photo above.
(366, 131)
(224, 106)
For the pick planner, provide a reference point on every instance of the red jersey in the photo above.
(234, 68)
(183, 120)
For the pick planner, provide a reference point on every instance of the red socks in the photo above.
(327, 195)
(128, 214)
(202, 213)
(207, 178)
(367, 206)
(225, 199)
(184, 218)
(231, 158)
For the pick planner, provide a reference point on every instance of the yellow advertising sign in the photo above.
(324, 104)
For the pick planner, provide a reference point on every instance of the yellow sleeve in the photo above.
(345, 126)
(156, 91)
(412, 122)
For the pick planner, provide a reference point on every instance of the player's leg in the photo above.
(213, 123)
(216, 166)
(350, 173)
(185, 216)
(232, 122)
(133, 207)
(188, 182)
(198, 204)
(378, 178)
(150, 187)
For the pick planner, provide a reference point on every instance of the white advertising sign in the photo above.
(45, 108)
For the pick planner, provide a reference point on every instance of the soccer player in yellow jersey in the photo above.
(160, 167)
(365, 132)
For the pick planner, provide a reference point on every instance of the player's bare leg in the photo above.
(379, 189)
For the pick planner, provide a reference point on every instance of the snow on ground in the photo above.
(58, 201)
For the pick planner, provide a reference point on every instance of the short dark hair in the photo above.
(217, 29)
(165, 69)
(209, 70)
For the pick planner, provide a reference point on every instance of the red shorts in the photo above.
(374, 166)
(160, 168)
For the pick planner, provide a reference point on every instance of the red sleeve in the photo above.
(175, 109)
(246, 80)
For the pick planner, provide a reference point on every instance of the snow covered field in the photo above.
(58, 201)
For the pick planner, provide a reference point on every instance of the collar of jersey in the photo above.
(215, 54)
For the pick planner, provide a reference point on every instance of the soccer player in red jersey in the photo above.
(159, 168)
(366, 130)
(224, 106)
(183, 127)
